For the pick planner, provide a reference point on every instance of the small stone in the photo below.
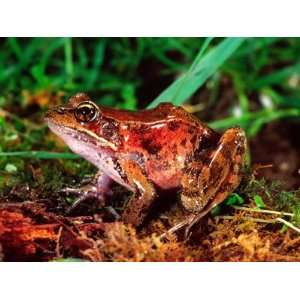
(10, 168)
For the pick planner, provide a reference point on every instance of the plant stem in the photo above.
(69, 60)
(41, 154)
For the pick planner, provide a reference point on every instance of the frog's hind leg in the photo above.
(206, 185)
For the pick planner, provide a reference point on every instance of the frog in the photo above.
(150, 151)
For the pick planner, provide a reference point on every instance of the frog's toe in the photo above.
(113, 213)
(79, 200)
(84, 193)
(70, 191)
(84, 197)
(85, 190)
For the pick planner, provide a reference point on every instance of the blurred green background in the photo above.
(250, 82)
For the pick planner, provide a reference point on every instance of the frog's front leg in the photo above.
(98, 188)
(206, 185)
(143, 193)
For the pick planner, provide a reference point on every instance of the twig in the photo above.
(57, 248)
(257, 167)
(265, 211)
(247, 219)
(288, 224)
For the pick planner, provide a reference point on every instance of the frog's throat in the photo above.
(81, 135)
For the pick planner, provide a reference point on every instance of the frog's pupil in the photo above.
(85, 113)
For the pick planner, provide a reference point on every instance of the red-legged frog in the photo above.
(149, 151)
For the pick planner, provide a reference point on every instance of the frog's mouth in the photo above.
(78, 139)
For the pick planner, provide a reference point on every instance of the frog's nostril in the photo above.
(47, 115)
(60, 109)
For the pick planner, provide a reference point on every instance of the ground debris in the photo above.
(29, 233)
(123, 243)
(32, 231)
(232, 240)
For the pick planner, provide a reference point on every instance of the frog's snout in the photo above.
(47, 115)
(58, 109)
(52, 112)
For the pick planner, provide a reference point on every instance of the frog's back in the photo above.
(164, 112)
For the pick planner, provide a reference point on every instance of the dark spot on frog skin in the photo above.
(227, 153)
(150, 146)
(183, 142)
(203, 156)
(216, 170)
(191, 130)
(109, 129)
(193, 140)
(142, 129)
(174, 149)
(208, 142)
(240, 147)
(120, 170)
(215, 174)
(173, 125)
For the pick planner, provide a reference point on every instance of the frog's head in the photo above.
(79, 123)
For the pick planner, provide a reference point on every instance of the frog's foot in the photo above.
(178, 226)
(207, 185)
(84, 193)
(97, 189)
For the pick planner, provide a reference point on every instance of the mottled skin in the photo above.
(149, 151)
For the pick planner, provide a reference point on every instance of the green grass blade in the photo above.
(205, 67)
(252, 45)
(97, 63)
(264, 115)
(24, 58)
(201, 52)
(69, 60)
(40, 154)
(276, 77)
(15, 47)
(193, 66)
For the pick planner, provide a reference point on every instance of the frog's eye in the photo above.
(86, 112)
